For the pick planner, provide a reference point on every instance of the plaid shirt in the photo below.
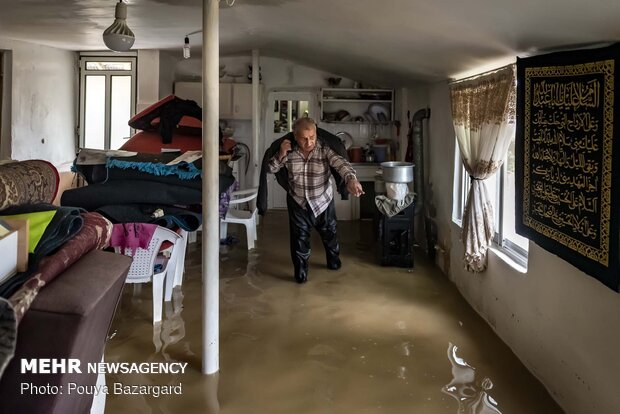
(309, 179)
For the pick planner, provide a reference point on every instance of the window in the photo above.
(107, 100)
(501, 191)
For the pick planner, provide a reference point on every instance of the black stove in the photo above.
(395, 237)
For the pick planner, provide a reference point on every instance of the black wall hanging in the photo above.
(568, 157)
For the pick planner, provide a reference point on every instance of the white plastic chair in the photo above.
(142, 269)
(176, 265)
(236, 214)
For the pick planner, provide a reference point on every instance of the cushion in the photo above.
(27, 182)
(150, 142)
(138, 120)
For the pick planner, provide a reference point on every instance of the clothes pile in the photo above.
(156, 175)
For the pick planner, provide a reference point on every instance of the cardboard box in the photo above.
(22, 228)
(8, 247)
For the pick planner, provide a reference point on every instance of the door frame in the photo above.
(313, 111)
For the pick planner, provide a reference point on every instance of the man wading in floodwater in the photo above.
(310, 199)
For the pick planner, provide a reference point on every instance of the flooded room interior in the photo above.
(164, 166)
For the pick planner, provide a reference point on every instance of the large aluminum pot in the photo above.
(397, 172)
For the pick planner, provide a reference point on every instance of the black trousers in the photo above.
(301, 222)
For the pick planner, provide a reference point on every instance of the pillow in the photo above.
(170, 112)
(142, 120)
(187, 125)
(150, 142)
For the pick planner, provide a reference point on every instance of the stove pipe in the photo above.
(418, 156)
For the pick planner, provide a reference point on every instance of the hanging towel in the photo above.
(390, 207)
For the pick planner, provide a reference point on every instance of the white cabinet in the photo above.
(235, 98)
(343, 207)
(352, 209)
(359, 106)
(242, 101)
(226, 100)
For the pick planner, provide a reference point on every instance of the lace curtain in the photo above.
(483, 113)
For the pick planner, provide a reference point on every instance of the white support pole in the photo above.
(210, 188)
(255, 116)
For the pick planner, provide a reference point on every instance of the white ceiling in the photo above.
(389, 42)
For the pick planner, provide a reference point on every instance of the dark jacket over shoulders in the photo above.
(326, 138)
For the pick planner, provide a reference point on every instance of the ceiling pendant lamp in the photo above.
(119, 37)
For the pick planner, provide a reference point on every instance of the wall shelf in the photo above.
(357, 123)
(356, 100)
(377, 104)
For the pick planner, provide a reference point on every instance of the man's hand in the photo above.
(354, 187)
(285, 147)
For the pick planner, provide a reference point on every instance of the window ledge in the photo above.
(511, 258)
(514, 259)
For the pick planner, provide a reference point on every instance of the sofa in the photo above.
(70, 318)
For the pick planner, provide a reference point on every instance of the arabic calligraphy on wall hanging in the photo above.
(567, 157)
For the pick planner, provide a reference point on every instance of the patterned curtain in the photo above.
(483, 113)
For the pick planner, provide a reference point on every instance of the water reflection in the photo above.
(171, 330)
(209, 385)
(472, 396)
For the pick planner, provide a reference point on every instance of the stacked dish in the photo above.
(379, 112)
(346, 138)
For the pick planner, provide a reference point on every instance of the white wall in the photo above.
(167, 66)
(44, 95)
(148, 78)
(563, 324)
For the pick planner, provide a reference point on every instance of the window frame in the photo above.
(84, 58)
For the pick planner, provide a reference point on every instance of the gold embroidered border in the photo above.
(606, 68)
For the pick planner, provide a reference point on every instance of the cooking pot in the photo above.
(397, 172)
(355, 154)
(381, 151)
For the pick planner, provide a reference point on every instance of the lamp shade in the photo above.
(118, 36)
